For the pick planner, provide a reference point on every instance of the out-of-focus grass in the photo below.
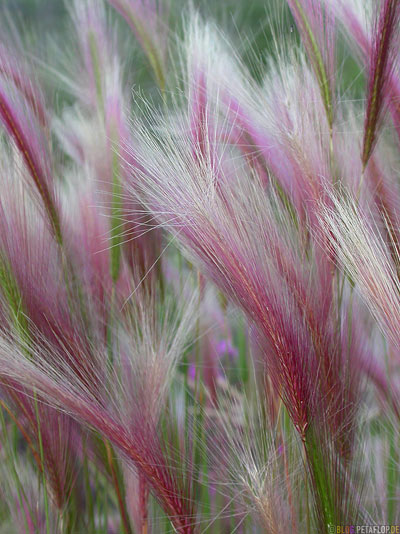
(245, 22)
(44, 15)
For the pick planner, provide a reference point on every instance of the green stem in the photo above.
(41, 451)
(392, 475)
(321, 480)
(97, 70)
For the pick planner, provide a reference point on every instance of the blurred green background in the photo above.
(42, 23)
(45, 14)
(51, 14)
(247, 17)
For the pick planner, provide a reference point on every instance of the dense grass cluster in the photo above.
(200, 271)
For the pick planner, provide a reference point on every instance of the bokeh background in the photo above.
(45, 27)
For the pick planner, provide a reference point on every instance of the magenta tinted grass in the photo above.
(200, 270)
